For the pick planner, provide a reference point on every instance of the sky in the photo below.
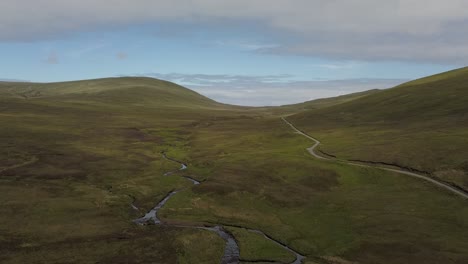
(246, 52)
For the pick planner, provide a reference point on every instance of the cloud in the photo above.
(12, 80)
(52, 58)
(216, 79)
(270, 89)
(90, 48)
(448, 46)
(245, 45)
(340, 66)
(423, 30)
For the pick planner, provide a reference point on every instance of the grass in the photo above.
(421, 124)
(255, 248)
(267, 181)
(72, 159)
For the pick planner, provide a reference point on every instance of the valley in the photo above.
(83, 162)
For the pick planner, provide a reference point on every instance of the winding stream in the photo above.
(195, 182)
(299, 257)
(231, 251)
(153, 214)
(132, 204)
(183, 166)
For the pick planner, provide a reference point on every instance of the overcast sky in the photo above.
(251, 52)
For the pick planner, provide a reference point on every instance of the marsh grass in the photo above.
(73, 155)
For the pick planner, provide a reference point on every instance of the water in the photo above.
(231, 252)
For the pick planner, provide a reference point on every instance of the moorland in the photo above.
(80, 161)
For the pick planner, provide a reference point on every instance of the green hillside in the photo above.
(133, 90)
(79, 161)
(422, 124)
(327, 102)
(314, 104)
(72, 156)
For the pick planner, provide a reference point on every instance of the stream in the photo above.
(299, 257)
(152, 215)
(231, 251)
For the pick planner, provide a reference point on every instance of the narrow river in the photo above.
(231, 251)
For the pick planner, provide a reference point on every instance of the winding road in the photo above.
(311, 150)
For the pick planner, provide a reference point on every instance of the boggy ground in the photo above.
(72, 165)
(69, 172)
(262, 177)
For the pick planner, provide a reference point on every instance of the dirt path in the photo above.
(311, 150)
(26, 163)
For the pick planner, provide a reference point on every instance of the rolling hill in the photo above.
(81, 161)
(422, 124)
(73, 157)
(313, 104)
(130, 90)
(327, 102)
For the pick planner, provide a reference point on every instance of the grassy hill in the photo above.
(314, 104)
(74, 156)
(421, 124)
(327, 102)
(130, 90)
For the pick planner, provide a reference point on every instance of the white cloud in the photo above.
(271, 89)
(77, 53)
(340, 66)
(244, 45)
(430, 30)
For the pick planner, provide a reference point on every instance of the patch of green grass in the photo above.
(254, 247)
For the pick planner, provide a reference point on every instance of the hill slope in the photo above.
(73, 157)
(422, 124)
(327, 102)
(138, 90)
(313, 104)
(80, 161)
